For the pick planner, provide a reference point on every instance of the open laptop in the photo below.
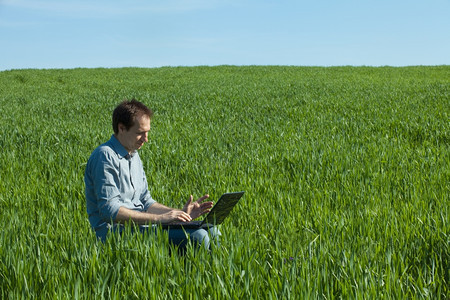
(216, 216)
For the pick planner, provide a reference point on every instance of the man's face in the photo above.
(136, 136)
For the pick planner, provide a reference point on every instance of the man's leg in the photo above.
(199, 236)
(180, 237)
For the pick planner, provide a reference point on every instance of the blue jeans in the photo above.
(180, 237)
(200, 236)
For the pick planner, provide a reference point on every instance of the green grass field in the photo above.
(346, 172)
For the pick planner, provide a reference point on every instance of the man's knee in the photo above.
(200, 237)
(204, 237)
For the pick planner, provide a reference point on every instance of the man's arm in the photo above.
(157, 213)
(158, 209)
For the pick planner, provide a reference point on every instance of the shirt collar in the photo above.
(120, 150)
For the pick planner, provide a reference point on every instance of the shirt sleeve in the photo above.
(105, 174)
(146, 198)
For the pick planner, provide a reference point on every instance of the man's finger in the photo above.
(186, 206)
(184, 217)
(208, 203)
(202, 198)
(205, 212)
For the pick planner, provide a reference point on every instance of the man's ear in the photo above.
(121, 127)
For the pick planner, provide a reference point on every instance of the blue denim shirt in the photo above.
(114, 179)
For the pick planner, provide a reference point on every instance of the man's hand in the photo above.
(175, 216)
(197, 208)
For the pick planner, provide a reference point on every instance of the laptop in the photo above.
(216, 216)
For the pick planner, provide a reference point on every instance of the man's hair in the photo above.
(127, 111)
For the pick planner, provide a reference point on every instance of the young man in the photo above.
(116, 185)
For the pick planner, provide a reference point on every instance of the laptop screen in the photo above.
(222, 208)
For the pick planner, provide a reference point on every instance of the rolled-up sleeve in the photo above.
(107, 191)
(102, 187)
(146, 198)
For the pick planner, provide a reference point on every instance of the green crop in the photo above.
(346, 172)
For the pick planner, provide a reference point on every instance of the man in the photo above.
(116, 185)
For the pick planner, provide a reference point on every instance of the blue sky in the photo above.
(154, 33)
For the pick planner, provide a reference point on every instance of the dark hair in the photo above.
(127, 111)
